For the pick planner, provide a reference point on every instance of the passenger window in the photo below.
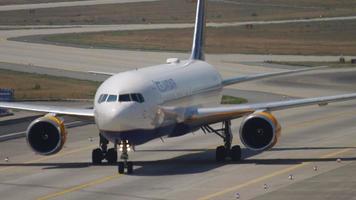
(112, 98)
(102, 98)
(124, 98)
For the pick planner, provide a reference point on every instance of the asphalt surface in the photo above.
(53, 72)
(338, 183)
(65, 4)
(89, 59)
(184, 167)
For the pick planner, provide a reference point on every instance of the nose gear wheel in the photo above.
(125, 164)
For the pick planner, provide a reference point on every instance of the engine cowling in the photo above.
(46, 135)
(260, 131)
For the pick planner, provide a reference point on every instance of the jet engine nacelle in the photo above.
(46, 135)
(260, 131)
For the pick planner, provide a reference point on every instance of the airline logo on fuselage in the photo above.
(165, 85)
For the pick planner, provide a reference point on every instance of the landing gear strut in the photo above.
(125, 148)
(99, 154)
(225, 151)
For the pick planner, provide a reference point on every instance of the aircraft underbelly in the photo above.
(140, 136)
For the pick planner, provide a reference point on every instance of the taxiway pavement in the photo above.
(184, 167)
(65, 4)
(89, 59)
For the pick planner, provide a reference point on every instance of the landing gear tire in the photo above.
(124, 148)
(121, 167)
(220, 154)
(97, 156)
(129, 167)
(235, 153)
(111, 156)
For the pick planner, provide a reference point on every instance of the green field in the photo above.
(232, 100)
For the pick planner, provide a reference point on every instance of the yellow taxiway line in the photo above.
(253, 181)
(108, 178)
(263, 178)
(80, 187)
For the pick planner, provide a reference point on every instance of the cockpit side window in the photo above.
(102, 98)
(124, 98)
(140, 98)
(112, 98)
(137, 97)
(134, 97)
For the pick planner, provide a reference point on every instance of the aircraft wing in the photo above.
(49, 109)
(240, 79)
(202, 116)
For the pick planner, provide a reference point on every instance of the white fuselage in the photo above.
(187, 83)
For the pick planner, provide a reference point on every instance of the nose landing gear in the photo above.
(125, 148)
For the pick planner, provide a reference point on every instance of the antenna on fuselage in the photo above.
(199, 32)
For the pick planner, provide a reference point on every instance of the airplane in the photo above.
(168, 100)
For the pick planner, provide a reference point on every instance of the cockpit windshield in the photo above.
(112, 98)
(102, 98)
(124, 98)
(134, 97)
(131, 97)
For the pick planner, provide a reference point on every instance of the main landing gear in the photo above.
(225, 151)
(99, 154)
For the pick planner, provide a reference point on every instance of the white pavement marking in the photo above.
(66, 4)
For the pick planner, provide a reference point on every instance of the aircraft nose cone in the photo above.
(113, 119)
